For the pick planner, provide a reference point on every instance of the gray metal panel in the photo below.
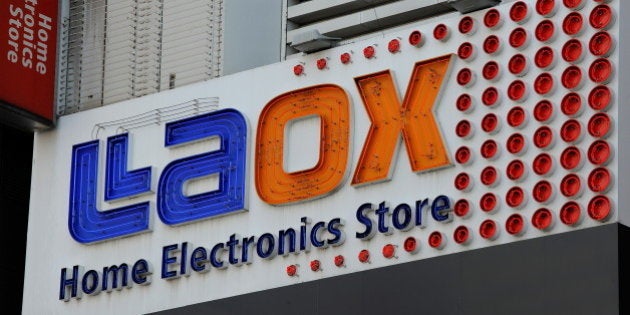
(312, 11)
(377, 18)
(623, 132)
(252, 34)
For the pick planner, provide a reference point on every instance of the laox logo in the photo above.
(414, 118)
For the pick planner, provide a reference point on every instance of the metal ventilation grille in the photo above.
(345, 19)
(192, 42)
(116, 50)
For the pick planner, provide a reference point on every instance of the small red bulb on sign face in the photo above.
(462, 208)
(516, 144)
(467, 25)
(345, 58)
(292, 270)
(543, 191)
(490, 123)
(572, 23)
(369, 52)
(572, 51)
(599, 98)
(464, 103)
(515, 224)
(571, 213)
(573, 4)
(571, 186)
(519, 12)
(571, 104)
(436, 240)
(488, 229)
(492, 19)
(543, 164)
(461, 235)
(364, 256)
(463, 155)
(440, 32)
(544, 58)
(518, 65)
(466, 51)
(543, 111)
(515, 197)
(571, 131)
(489, 149)
(488, 203)
(572, 77)
(515, 170)
(462, 182)
(542, 219)
(516, 117)
(389, 251)
(463, 129)
(543, 84)
(571, 158)
(545, 31)
(599, 152)
(601, 44)
(599, 180)
(599, 125)
(411, 245)
(298, 69)
(393, 46)
(601, 17)
(465, 77)
(339, 261)
(491, 44)
(546, 8)
(600, 208)
(517, 91)
(518, 38)
(491, 71)
(543, 137)
(600, 71)
(321, 63)
(489, 176)
(315, 265)
(416, 38)
(490, 97)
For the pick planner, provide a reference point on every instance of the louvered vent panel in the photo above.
(114, 50)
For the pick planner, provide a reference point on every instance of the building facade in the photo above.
(447, 157)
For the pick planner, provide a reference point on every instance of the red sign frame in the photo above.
(28, 55)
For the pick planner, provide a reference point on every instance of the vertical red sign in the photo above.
(28, 53)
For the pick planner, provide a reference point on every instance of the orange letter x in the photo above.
(415, 118)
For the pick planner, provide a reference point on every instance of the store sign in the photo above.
(28, 52)
(449, 136)
(414, 119)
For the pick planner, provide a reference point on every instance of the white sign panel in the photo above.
(454, 134)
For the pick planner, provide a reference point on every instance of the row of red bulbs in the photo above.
(599, 154)
(571, 131)
(599, 179)
(599, 99)
(571, 186)
(600, 17)
(599, 72)
(599, 45)
(599, 208)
